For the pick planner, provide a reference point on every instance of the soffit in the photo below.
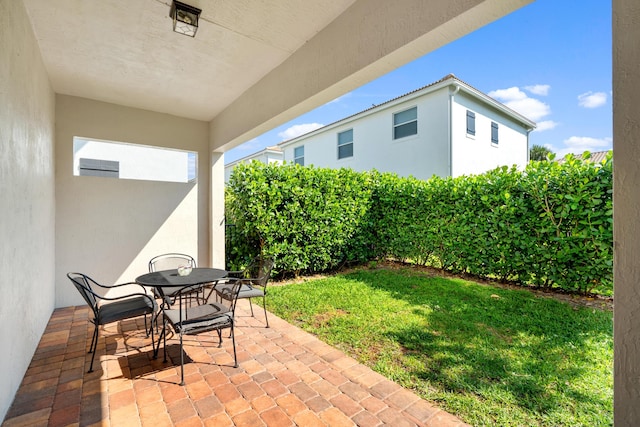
(125, 52)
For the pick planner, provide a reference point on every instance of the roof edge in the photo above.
(273, 149)
(448, 80)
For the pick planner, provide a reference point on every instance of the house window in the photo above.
(405, 123)
(471, 123)
(345, 144)
(494, 133)
(298, 155)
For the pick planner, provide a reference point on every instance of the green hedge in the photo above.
(303, 216)
(550, 225)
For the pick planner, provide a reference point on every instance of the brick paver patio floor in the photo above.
(286, 377)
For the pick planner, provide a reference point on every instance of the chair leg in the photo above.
(233, 340)
(93, 338)
(264, 306)
(163, 338)
(251, 306)
(156, 350)
(145, 325)
(154, 317)
(164, 341)
(153, 345)
(93, 346)
(181, 362)
(155, 320)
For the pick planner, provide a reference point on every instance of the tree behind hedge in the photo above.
(539, 152)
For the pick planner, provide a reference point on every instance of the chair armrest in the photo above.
(137, 294)
(225, 280)
(253, 282)
(122, 297)
(235, 274)
(119, 285)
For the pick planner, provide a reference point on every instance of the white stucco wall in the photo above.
(27, 216)
(421, 155)
(216, 210)
(110, 228)
(626, 199)
(427, 153)
(477, 154)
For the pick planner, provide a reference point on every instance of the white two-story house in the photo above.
(447, 128)
(266, 155)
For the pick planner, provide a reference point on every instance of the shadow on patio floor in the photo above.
(286, 377)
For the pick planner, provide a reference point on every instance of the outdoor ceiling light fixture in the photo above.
(185, 18)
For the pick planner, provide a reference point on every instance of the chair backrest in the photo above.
(259, 271)
(82, 282)
(170, 261)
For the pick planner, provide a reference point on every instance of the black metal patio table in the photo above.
(171, 279)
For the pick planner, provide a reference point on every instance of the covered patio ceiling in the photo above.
(125, 52)
(252, 65)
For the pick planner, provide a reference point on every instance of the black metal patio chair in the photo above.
(254, 281)
(171, 261)
(206, 317)
(113, 309)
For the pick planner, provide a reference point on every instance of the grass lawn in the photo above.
(488, 355)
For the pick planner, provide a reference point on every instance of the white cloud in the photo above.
(517, 100)
(592, 99)
(297, 130)
(545, 125)
(542, 90)
(507, 95)
(580, 144)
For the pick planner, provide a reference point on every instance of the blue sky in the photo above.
(550, 61)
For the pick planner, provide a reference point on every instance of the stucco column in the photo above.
(626, 216)
(217, 242)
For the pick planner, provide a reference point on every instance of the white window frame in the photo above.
(405, 123)
(496, 140)
(345, 144)
(297, 158)
(471, 133)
